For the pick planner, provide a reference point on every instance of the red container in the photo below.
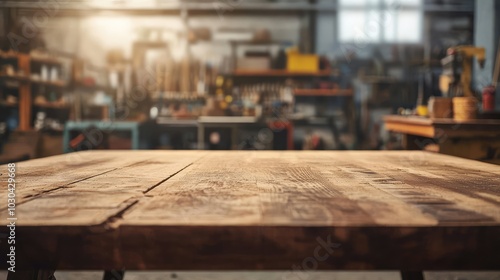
(489, 98)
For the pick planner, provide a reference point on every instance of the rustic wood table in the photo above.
(474, 139)
(243, 210)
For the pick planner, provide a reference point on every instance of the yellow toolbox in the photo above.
(298, 62)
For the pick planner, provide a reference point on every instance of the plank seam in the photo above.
(164, 180)
(172, 175)
(112, 222)
(29, 198)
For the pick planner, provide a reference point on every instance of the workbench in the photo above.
(222, 122)
(235, 123)
(253, 210)
(474, 139)
(100, 127)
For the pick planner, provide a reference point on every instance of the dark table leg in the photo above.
(31, 275)
(113, 275)
(412, 275)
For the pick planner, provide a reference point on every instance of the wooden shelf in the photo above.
(198, 99)
(381, 80)
(18, 78)
(84, 87)
(46, 60)
(39, 60)
(28, 79)
(5, 55)
(279, 73)
(7, 104)
(52, 106)
(49, 83)
(323, 92)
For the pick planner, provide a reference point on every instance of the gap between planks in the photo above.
(92, 182)
(113, 221)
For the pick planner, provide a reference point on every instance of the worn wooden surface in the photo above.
(256, 210)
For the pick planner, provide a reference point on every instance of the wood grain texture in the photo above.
(88, 188)
(259, 210)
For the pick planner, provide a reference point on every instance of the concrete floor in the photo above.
(386, 275)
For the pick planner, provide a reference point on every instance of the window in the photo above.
(380, 21)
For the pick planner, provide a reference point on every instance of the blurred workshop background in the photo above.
(249, 75)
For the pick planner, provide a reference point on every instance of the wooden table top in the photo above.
(437, 128)
(256, 210)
